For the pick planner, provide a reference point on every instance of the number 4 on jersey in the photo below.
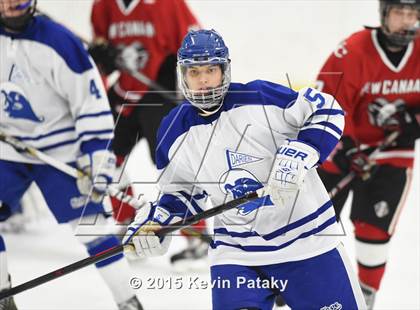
(94, 89)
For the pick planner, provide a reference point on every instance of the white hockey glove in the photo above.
(140, 239)
(99, 168)
(292, 162)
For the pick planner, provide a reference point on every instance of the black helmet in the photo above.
(19, 23)
(398, 39)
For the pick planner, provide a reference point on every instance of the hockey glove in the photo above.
(388, 115)
(140, 238)
(348, 157)
(132, 58)
(98, 167)
(292, 162)
(104, 55)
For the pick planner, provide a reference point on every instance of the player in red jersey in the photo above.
(375, 75)
(141, 36)
(138, 36)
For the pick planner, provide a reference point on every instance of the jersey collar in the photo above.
(127, 10)
(385, 59)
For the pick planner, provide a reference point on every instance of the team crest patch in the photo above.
(236, 159)
(238, 183)
(14, 102)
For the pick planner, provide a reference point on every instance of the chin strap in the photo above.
(208, 113)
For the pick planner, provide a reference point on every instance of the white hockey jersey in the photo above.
(229, 154)
(51, 94)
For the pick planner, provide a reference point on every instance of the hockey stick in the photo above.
(344, 182)
(22, 147)
(118, 249)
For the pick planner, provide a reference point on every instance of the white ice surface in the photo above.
(46, 246)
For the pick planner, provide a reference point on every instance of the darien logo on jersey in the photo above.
(238, 183)
(391, 87)
(13, 101)
(236, 159)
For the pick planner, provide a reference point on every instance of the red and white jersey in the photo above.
(157, 26)
(357, 73)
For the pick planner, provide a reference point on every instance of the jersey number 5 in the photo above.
(314, 96)
(94, 89)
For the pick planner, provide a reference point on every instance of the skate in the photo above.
(193, 258)
(369, 293)
(131, 304)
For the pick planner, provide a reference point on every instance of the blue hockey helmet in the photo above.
(398, 39)
(204, 47)
(19, 22)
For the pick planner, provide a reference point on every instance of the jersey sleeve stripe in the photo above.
(323, 140)
(328, 112)
(52, 133)
(326, 124)
(93, 115)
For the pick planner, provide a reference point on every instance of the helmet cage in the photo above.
(206, 101)
(398, 39)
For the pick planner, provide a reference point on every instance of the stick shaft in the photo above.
(118, 249)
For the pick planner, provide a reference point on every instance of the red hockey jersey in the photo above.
(155, 26)
(357, 73)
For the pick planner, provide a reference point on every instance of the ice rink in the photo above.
(268, 39)
(45, 246)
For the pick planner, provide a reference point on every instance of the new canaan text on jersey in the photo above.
(130, 29)
(388, 87)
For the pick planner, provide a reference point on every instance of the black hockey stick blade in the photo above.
(119, 249)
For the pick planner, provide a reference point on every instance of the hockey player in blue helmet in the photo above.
(204, 70)
(227, 140)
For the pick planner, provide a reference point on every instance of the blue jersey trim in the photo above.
(52, 133)
(95, 132)
(191, 200)
(280, 231)
(265, 248)
(45, 31)
(56, 145)
(327, 112)
(174, 205)
(185, 116)
(93, 115)
(63, 143)
(327, 124)
(324, 141)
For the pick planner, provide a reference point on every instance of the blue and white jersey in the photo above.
(231, 153)
(51, 94)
